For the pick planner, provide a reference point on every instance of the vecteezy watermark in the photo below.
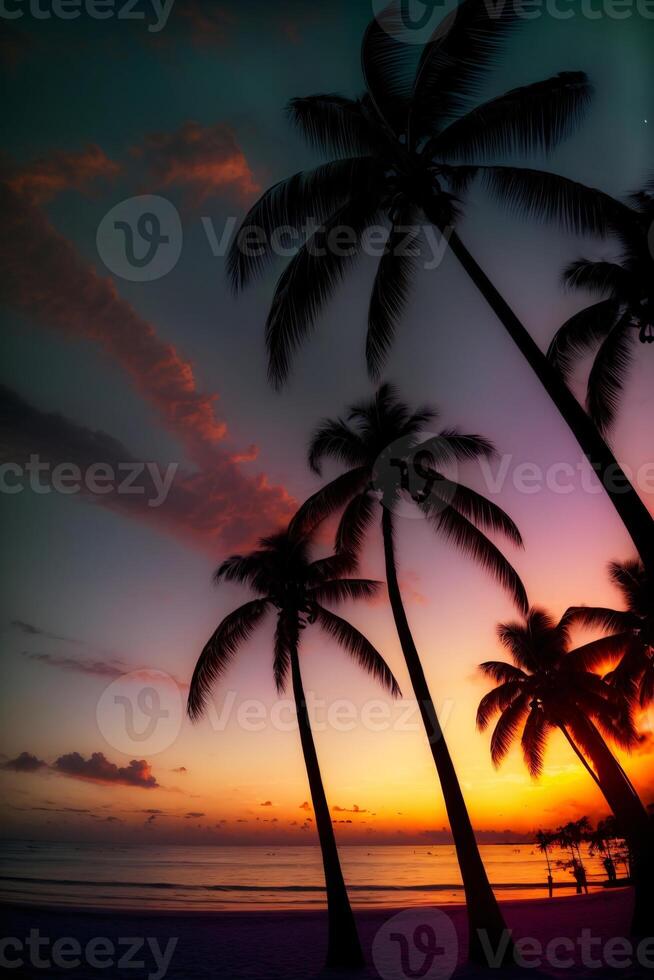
(340, 715)
(154, 12)
(423, 943)
(423, 21)
(40, 476)
(140, 239)
(417, 943)
(563, 952)
(415, 478)
(142, 711)
(99, 953)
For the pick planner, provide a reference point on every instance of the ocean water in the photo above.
(239, 878)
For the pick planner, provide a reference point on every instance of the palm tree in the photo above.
(289, 584)
(551, 686)
(625, 310)
(570, 837)
(545, 839)
(385, 447)
(631, 630)
(403, 153)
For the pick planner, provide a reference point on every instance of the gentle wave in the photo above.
(167, 885)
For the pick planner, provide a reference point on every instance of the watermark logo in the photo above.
(414, 21)
(140, 239)
(416, 944)
(410, 477)
(141, 712)
(154, 13)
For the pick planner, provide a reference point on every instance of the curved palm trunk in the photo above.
(630, 508)
(632, 817)
(484, 915)
(343, 946)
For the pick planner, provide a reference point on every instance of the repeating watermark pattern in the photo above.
(341, 715)
(416, 944)
(153, 13)
(406, 479)
(423, 21)
(99, 953)
(133, 478)
(141, 712)
(140, 238)
(423, 943)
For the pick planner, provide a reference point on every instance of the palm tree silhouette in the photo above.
(550, 686)
(545, 840)
(631, 639)
(610, 327)
(405, 151)
(389, 457)
(288, 583)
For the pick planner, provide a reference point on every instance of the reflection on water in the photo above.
(237, 878)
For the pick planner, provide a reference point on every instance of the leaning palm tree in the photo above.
(631, 630)
(625, 313)
(403, 154)
(289, 584)
(392, 460)
(549, 687)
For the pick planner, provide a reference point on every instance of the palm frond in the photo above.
(388, 65)
(306, 197)
(507, 727)
(535, 194)
(219, 651)
(474, 543)
(502, 672)
(496, 701)
(330, 498)
(310, 279)
(630, 578)
(533, 118)
(334, 124)
(454, 62)
(354, 523)
(599, 617)
(391, 289)
(450, 446)
(360, 648)
(596, 277)
(534, 741)
(483, 513)
(607, 374)
(340, 590)
(581, 333)
(332, 566)
(335, 439)
(590, 656)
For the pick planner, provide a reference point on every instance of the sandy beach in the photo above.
(290, 945)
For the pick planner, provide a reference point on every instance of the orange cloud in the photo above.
(206, 160)
(41, 180)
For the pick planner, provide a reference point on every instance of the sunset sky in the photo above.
(174, 371)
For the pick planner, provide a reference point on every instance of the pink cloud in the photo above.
(45, 278)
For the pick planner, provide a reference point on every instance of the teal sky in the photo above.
(139, 590)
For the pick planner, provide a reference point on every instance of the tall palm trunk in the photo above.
(632, 817)
(484, 915)
(631, 509)
(343, 946)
